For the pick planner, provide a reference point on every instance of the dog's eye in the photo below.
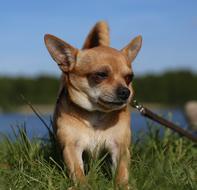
(129, 78)
(99, 76)
(102, 74)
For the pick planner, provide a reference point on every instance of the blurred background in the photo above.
(165, 69)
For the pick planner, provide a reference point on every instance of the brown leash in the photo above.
(148, 113)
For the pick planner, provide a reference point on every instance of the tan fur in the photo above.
(98, 36)
(88, 114)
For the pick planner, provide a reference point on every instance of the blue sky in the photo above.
(168, 27)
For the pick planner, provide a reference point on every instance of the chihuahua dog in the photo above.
(92, 105)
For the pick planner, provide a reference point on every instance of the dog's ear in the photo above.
(132, 49)
(99, 35)
(63, 53)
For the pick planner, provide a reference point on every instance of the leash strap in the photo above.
(148, 113)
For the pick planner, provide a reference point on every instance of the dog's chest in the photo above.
(99, 135)
(93, 132)
(98, 139)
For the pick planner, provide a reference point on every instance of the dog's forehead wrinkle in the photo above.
(109, 54)
(100, 53)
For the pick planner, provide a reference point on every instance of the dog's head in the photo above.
(97, 77)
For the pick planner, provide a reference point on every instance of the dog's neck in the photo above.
(93, 118)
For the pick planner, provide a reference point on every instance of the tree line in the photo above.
(170, 88)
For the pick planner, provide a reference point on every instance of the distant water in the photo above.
(35, 127)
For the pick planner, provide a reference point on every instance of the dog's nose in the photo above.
(123, 93)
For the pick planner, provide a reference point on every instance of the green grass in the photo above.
(156, 164)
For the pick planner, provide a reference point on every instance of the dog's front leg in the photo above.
(73, 158)
(121, 160)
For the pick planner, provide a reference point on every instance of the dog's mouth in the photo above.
(111, 103)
